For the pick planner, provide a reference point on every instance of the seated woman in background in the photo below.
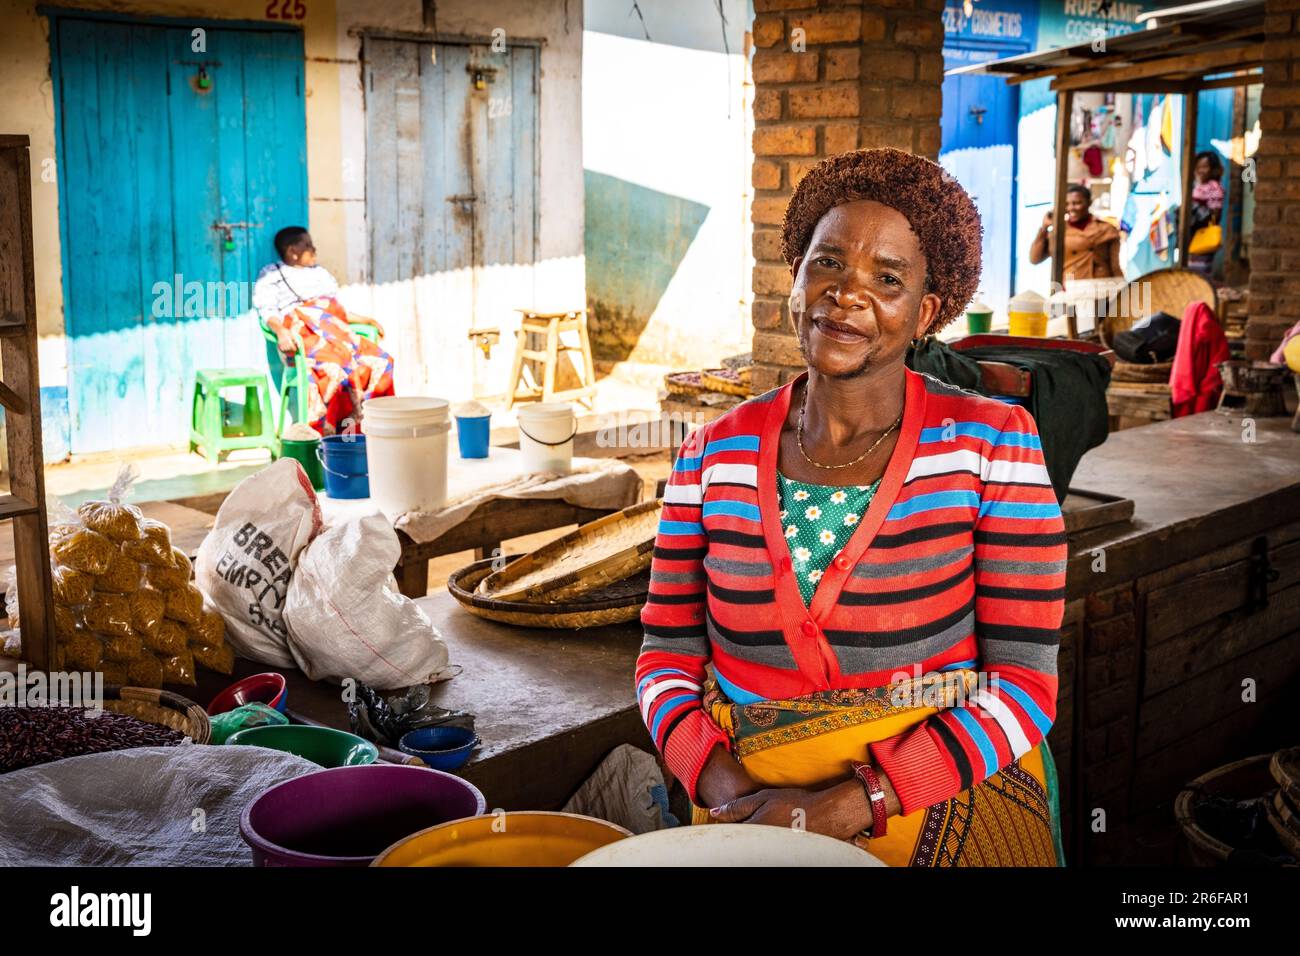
(298, 300)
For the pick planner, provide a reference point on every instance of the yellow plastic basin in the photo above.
(521, 838)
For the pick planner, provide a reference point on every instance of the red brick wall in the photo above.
(1275, 243)
(869, 74)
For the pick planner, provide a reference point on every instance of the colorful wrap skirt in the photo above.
(1010, 819)
(344, 369)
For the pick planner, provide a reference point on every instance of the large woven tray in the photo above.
(614, 603)
(600, 552)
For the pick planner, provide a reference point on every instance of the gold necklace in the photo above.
(848, 464)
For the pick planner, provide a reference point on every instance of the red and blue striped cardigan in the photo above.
(958, 562)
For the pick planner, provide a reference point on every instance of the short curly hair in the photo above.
(940, 212)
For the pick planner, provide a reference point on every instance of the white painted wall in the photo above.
(673, 114)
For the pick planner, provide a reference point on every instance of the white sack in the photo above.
(346, 617)
(248, 558)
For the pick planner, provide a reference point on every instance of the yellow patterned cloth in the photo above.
(1009, 819)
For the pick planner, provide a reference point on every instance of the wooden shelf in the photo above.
(11, 506)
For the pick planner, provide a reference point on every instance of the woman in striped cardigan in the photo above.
(859, 576)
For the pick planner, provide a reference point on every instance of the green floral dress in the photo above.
(818, 520)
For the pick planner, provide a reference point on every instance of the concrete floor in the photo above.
(623, 389)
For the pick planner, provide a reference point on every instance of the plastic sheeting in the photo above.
(150, 806)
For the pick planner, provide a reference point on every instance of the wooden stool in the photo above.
(551, 325)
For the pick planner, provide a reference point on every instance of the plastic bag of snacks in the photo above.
(123, 600)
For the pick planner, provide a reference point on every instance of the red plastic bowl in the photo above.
(268, 688)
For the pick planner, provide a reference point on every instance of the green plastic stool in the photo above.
(208, 427)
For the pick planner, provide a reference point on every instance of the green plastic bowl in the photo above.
(323, 745)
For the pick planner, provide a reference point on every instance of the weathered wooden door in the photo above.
(451, 142)
(176, 168)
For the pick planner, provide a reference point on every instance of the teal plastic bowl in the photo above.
(323, 745)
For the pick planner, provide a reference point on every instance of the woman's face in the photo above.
(1203, 169)
(859, 291)
(1076, 206)
(302, 252)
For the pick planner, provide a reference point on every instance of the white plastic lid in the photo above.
(403, 409)
(979, 308)
(546, 411)
(1028, 301)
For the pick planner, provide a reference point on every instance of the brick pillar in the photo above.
(1275, 242)
(858, 75)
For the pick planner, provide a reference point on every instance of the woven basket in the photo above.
(615, 603)
(1137, 372)
(1172, 290)
(600, 552)
(160, 707)
(1285, 768)
(725, 380)
(1285, 822)
(1240, 779)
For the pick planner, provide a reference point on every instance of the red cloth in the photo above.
(1194, 381)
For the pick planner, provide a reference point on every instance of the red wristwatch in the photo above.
(876, 795)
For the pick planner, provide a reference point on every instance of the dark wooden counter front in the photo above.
(1179, 651)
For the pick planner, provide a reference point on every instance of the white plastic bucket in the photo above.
(406, 444)
(546, 432)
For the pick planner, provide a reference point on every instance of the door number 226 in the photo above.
(286, 10)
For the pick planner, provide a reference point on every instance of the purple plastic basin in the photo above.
(346, 816)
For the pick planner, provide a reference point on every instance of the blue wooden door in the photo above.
(451, 141)
(161, 149)
(979, 135)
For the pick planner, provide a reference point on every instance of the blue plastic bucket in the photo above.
(344, 459)
(472, 434)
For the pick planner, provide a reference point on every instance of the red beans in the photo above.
(35, 735)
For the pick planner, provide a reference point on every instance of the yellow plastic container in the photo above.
(522, 838)
(1027, 315)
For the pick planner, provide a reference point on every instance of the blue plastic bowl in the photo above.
(443, 748)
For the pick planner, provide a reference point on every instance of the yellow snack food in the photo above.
(112, 519)
(185, 604)
(82, 651)
(122, 576)
(115, 672)
(179, 668)
(84, 550)
(219, 659)
(147, 608)
(145, 671)
(71, 587)
(109, 614)
(210, 629)
(174, 575)
(65, 622)
(57, 532)
(123, 648)
(168, 639)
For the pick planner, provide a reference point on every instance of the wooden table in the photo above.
(549, 704)
(483, 531)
